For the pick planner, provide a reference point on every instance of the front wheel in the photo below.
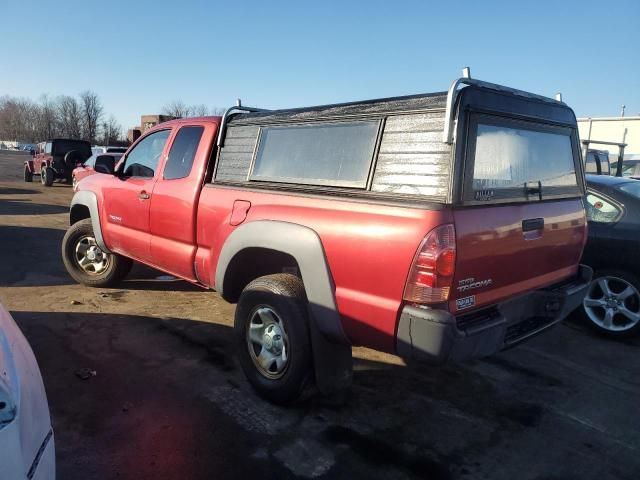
(86, 262)
(272, 332)
(612, 304)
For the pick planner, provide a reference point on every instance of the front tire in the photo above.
(612, 304)
(28, 175)
(46, 176)
(272, 332)
(86, 262)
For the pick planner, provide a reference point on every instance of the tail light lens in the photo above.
(433, 267)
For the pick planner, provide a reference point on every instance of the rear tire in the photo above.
(46, 176)
(272, 333)
(612, 304)
(28, 175)
(86, 263)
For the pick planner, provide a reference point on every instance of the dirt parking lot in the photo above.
(169, 402)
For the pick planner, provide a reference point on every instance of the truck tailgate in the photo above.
(507, 250)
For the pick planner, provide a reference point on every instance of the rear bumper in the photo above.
(437, 336)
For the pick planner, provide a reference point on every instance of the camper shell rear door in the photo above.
(521, 227)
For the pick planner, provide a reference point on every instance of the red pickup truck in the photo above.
(441, 227)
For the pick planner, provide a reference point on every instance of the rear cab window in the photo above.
(183, 152)
(597, 158)
(519, 161)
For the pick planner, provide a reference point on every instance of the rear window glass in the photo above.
(592, 163)
(182, 153)
(517, 161)
(334, 154)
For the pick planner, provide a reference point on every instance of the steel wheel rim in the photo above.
(613, 304)
(268, 342)
(89, 257)
(43, 176)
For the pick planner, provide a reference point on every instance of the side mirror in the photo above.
(105, 164)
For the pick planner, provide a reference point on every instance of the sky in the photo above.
(140, 55)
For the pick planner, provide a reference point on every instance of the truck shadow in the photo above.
(171, 387)
(146, 278)
(17, 207)
(18, 191)
(30, 256)
(143, 363)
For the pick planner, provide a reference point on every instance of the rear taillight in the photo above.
(431, 274)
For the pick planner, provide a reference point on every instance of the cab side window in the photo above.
(183, 152)
(143, 160)
(601, 210)
(47, 148)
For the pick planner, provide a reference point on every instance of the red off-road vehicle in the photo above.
(56, 159)
(443, 226)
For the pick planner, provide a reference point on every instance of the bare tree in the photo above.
(200, 110)
(176, 108)
(70, 114)
(18, 119)
(91, 114)
(48, 125)
(111, 131)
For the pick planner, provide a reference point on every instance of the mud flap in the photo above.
(333, 363)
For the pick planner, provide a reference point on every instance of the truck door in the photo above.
(175, 200)
(127, 198)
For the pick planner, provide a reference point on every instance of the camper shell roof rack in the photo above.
(444, 101)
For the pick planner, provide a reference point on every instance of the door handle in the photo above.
(532, 224)
(144, 195)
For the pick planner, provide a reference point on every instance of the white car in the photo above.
(97, 150)
(27, 449)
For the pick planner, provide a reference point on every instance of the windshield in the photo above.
(629, 169)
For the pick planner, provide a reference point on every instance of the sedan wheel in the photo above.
(612, 304)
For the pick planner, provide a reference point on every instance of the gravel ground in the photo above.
(169, 402)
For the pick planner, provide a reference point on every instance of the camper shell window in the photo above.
(517, 160)
(335, 154)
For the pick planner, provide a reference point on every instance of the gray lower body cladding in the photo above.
(437, 336)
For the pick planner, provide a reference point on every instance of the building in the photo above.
(613, 129)
(147, 122)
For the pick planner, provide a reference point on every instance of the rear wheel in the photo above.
(272, 331)
(86, 262)
(28, 175)
(612, 304)
(46, 176)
